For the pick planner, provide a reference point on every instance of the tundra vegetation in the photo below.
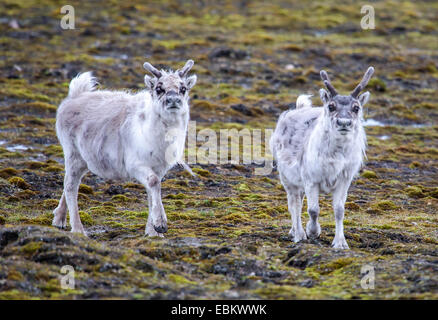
(227, 235)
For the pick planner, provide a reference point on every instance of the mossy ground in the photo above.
(227, 228)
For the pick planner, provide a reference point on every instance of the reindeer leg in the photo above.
(294, 202)
(339, 198)
(157, 220)
(60, 213)
(150, 231)
(313, 228)
(75, 168)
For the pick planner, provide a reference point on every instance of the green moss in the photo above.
(414, 192)
(44, 219)
(4, 153)
(176, 278)
(37, 107)
(85, 189)
(103, 211)
(13, 199)
(52, 285)
(179, 216)
(50, 203)
(235, 217)
(35, 164)
(242, 187)
(434, 193)
(86, 218)
(369, 174)
(8, 172)
(292, 47)
(23, 93)
(14, 294)
(210, 203)
(31, 247)
(25, 194)
(19, 182)
(425, 106)
(352, 206)
(176, 196)
(54, 150)
(83, 197)
(383, 226)
(386, 205)
(262, 215)
(334, 265)
(377, 84)
(250, 196)
(415, 164)
(120, 198)
(201, 172)
(133, 185)
(15, 275)
(53, 169)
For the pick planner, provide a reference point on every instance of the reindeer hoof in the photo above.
(340, 243)
(161, 229)
(297, 235)
(59, 223)
(313, 230)
(79, 229)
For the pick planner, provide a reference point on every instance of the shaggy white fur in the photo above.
(320, 150)
(122, 136)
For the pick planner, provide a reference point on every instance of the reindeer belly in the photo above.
(107, 164)
(104, 156)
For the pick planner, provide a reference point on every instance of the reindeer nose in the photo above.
(344, 122)
(172, 98)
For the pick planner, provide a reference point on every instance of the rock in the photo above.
(113, 190)
(223, 250)
(308, 283)
(225, 52)
(14, 24)
(242, 109)
(7, 236)
(219, 269)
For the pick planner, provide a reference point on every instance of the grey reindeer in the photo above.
(320, 150)
(122, 136)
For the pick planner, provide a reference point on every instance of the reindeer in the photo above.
(122, 136)
(321, 150)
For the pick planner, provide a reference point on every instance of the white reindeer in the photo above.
(321, 150)
(121, 136)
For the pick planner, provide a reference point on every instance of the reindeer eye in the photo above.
(183, 90)
(159, 90)
(356, 108)
(332, 107)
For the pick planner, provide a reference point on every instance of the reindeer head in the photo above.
(344, 112)
(170, 89)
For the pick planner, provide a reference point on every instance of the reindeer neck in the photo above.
(328, 142)
(161, 124)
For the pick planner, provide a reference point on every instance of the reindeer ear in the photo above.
(150, 82)
(191, 81)
(324, 95)
(363, 98)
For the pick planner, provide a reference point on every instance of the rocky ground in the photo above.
(228, 228)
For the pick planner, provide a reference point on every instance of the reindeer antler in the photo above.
(152, 69)
(363, 83)
(184, 70)
(327, 83)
